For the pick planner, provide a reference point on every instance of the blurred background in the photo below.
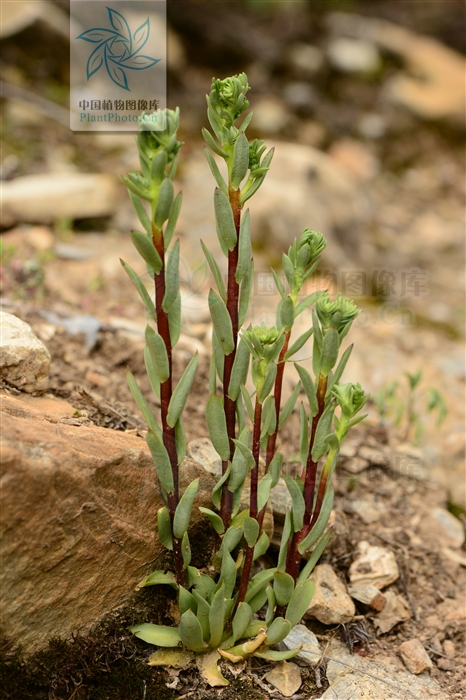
(364, 102)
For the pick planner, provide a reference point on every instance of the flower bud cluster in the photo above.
(228, 97)
(338, 314)
(351, 398)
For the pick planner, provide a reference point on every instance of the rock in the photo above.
(356, 157)
(39, 237)
(374, 566)
(79, 324)
(369, 595)
(372, 126)
(270, 115)
(434, 88)
(353, 56)
(286, 677)
(446, 664)
(203, 452)
(49, 197)
(449, 648)
(17, 16)
(311, 652)
(451, 527)
(368, 511)
(415, 656)
(299, 95)
(353, 677)
(394, 611)
(330, 603)
(79, 507)
(24, 359)
(306, 58)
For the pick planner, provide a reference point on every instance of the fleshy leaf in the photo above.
(160, 635)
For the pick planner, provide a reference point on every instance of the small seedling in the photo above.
(405, 404)
(219, 610)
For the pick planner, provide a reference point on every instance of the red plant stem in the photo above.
(166, 390)
(272, 441)
(253, 510)
(293, 559)
(232, 307)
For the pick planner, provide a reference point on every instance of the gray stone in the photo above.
(311, 652)
(369, 595)
(49, 197)
(451, 527)
(78, 520)
(374, 566)
(353, 55)
(330, 603)
(204, 453)
(24, 359)
(286, 677)
(353, 677)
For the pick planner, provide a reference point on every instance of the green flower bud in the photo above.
(351, 398)
(152, 142)
(338, 314)
(256, 151)
(264, 343)
(315, 240)
(228, 97)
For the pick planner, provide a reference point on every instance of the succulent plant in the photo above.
(219, 608)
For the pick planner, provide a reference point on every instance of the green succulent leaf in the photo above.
(217, 426)
(159, 164)
(183, 509)
(279, 284)
(158, 353)
(287, 528)
(226, 230)
(275, 468)
(210, 141)
(161, 461)
(215, 171)
(247, 402)
(142, 215)
(217, 492)
(340, 368)
(172, 220)
(239, 370)
(251, 530)
(222, 322)
(202, 614)
(330, 349)
(190, 632)
(181, 392)
(164, 527)
(186, 550)
(241, 621)
(298, 508)
(215, 520)
(304, 435)
(157, 578)
(215, 271)
(286, 315)
(174, 320)
(245, 294)
(186, 600)
(160, 635)
(306, 303)
(320, 524)
(164, 203)
(261, 547)
(269, 381)
(324, 427)
(288, 408)
(240, 161)
(172, 277)
(278, 630)
(258, 582)
(180, 439)
(272, 655)
(230, 539)
(203, 583)
(309, 388)
(151, 371)
(313, 559)
(142, 291)
(244, 247)
(217, 617)
(298, 344)
(228, 573)
(263, 491)
(299, 602)
(283, 586)
(142, 404)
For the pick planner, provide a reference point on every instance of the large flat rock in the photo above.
(78, 520)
